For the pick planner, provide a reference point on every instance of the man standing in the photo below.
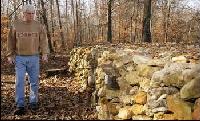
(26, 39)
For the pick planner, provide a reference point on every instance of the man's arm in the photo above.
(11, 42)
(11, 45)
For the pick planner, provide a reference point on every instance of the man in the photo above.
(26, 39)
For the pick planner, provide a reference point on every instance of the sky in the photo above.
(193, 4)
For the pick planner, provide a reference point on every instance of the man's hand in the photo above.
(11, 60)
(45, 58)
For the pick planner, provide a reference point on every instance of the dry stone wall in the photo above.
(130, 83)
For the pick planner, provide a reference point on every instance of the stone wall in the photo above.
(131, 82)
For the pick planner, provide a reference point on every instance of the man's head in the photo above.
(29, 12)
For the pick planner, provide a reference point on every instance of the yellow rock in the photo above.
(158, 116)
(196, 114)
(169, 117)
(162, 116)
(112, 108)
(137, 109)
(125, 113)
(181, 110)
(141, 97)
(146, 71)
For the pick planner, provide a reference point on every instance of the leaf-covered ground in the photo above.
(59, 96)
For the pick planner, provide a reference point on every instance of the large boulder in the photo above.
(191, 89)
(181, 109)
(171, 75)
(191, 73)
(146, 70)
(140, 59)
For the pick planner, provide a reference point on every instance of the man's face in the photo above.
(29, 16)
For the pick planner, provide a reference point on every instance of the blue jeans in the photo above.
(29, 64)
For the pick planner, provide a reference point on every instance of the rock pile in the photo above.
(130, 83)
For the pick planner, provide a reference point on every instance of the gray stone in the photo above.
(138, 59)
(133, 90)
(179, 59)
(159, 109)
(162, 97)
(171, 75)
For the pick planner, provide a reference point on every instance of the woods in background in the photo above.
(71, 23)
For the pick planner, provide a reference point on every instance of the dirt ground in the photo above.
(59, 95)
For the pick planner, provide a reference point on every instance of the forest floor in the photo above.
(59, 96)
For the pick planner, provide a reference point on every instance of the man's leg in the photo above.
(33, 72)
(20, 70)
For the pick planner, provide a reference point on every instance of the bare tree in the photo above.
(44, 16)
(15, 7)
(74, 22)
(52, 20)
(78, 38)
(60, 23)
(66, 3)
(167, 6)
(146, 21)
(109, 34)
(136, 20)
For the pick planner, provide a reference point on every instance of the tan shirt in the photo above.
(27, 39)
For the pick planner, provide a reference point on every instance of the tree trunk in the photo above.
(98, 19)
(109, 34)
(131, 33)
(60, 24)
(136, 20)
(119, 28)
(39, 12)
(66, 2)
(146, 21)
(78, 43)
(52, 23)
(7, 12)
(166, 23)
(188, 32)
(46, 24)
(15, 7)
(74, 22)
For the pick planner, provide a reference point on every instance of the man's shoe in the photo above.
(19, 111)
(33, 106)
